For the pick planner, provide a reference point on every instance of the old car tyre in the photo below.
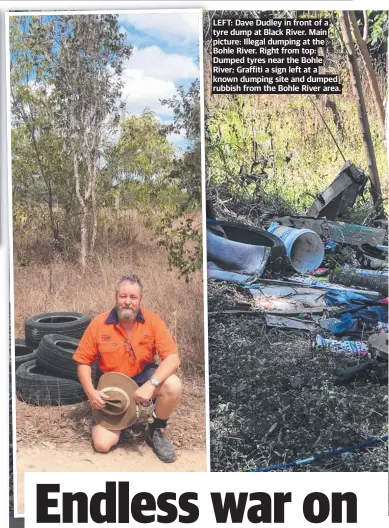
(23, 352)
(370, 257)
(72, 324)
(247, 234)
(35, 385)
(55, 354)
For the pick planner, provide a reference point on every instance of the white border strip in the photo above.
(4, 270)
(11, 260)
(204, 224)
(104, 12)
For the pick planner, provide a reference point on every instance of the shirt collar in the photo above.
(114, 318)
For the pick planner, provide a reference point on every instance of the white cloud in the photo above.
(144, 92)
(155, 62)
(149, 76)
(173, 28)
(177, 139)
(135, 39)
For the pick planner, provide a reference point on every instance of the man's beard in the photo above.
(127, 313)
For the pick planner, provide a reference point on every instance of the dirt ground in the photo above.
(58, 439)
(137, 457)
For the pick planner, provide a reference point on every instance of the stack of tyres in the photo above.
(55, 354)
(71, 324)
(46, 373)
(23, 352)
(36, 385)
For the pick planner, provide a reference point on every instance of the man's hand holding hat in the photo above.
(144, 393)
(96, 400)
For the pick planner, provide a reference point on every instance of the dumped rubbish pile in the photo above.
(322, 284)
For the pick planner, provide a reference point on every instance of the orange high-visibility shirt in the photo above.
(105, 341)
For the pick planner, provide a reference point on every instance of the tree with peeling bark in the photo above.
(372, 169)
(40, 166)
(87, 80)
(372, 78)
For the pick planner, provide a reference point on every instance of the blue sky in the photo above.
(165, 55)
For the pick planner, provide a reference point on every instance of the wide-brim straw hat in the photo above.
(121, 410)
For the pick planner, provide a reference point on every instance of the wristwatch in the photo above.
(154, 381)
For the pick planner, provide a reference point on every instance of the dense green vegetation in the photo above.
(275, 150)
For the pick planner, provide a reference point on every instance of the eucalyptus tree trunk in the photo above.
(88, 85)
(94, 211)
(371, 76)
(84, 214)
(372, 170)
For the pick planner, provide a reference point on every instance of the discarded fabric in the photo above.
(343, 296)
(338, 347)
(338, 326)
(319, 272)
(357, 317)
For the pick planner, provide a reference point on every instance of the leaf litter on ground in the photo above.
(257, 419)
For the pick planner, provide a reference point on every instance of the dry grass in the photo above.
(63, 426)
(124, 246)
(46, 281)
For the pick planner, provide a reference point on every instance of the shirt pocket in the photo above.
(110, 358)
(147, 344)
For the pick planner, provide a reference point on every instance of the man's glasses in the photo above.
(129, 349)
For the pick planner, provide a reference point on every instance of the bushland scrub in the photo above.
(275, 150)
(47, 280)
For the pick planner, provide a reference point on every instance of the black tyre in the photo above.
(55, 354)
(35, 385)
(72, 324)
(23, 352)
(370, 257)
(247, 234)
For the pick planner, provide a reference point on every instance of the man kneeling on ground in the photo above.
(124, 340)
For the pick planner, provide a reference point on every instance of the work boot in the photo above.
(161, 445)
